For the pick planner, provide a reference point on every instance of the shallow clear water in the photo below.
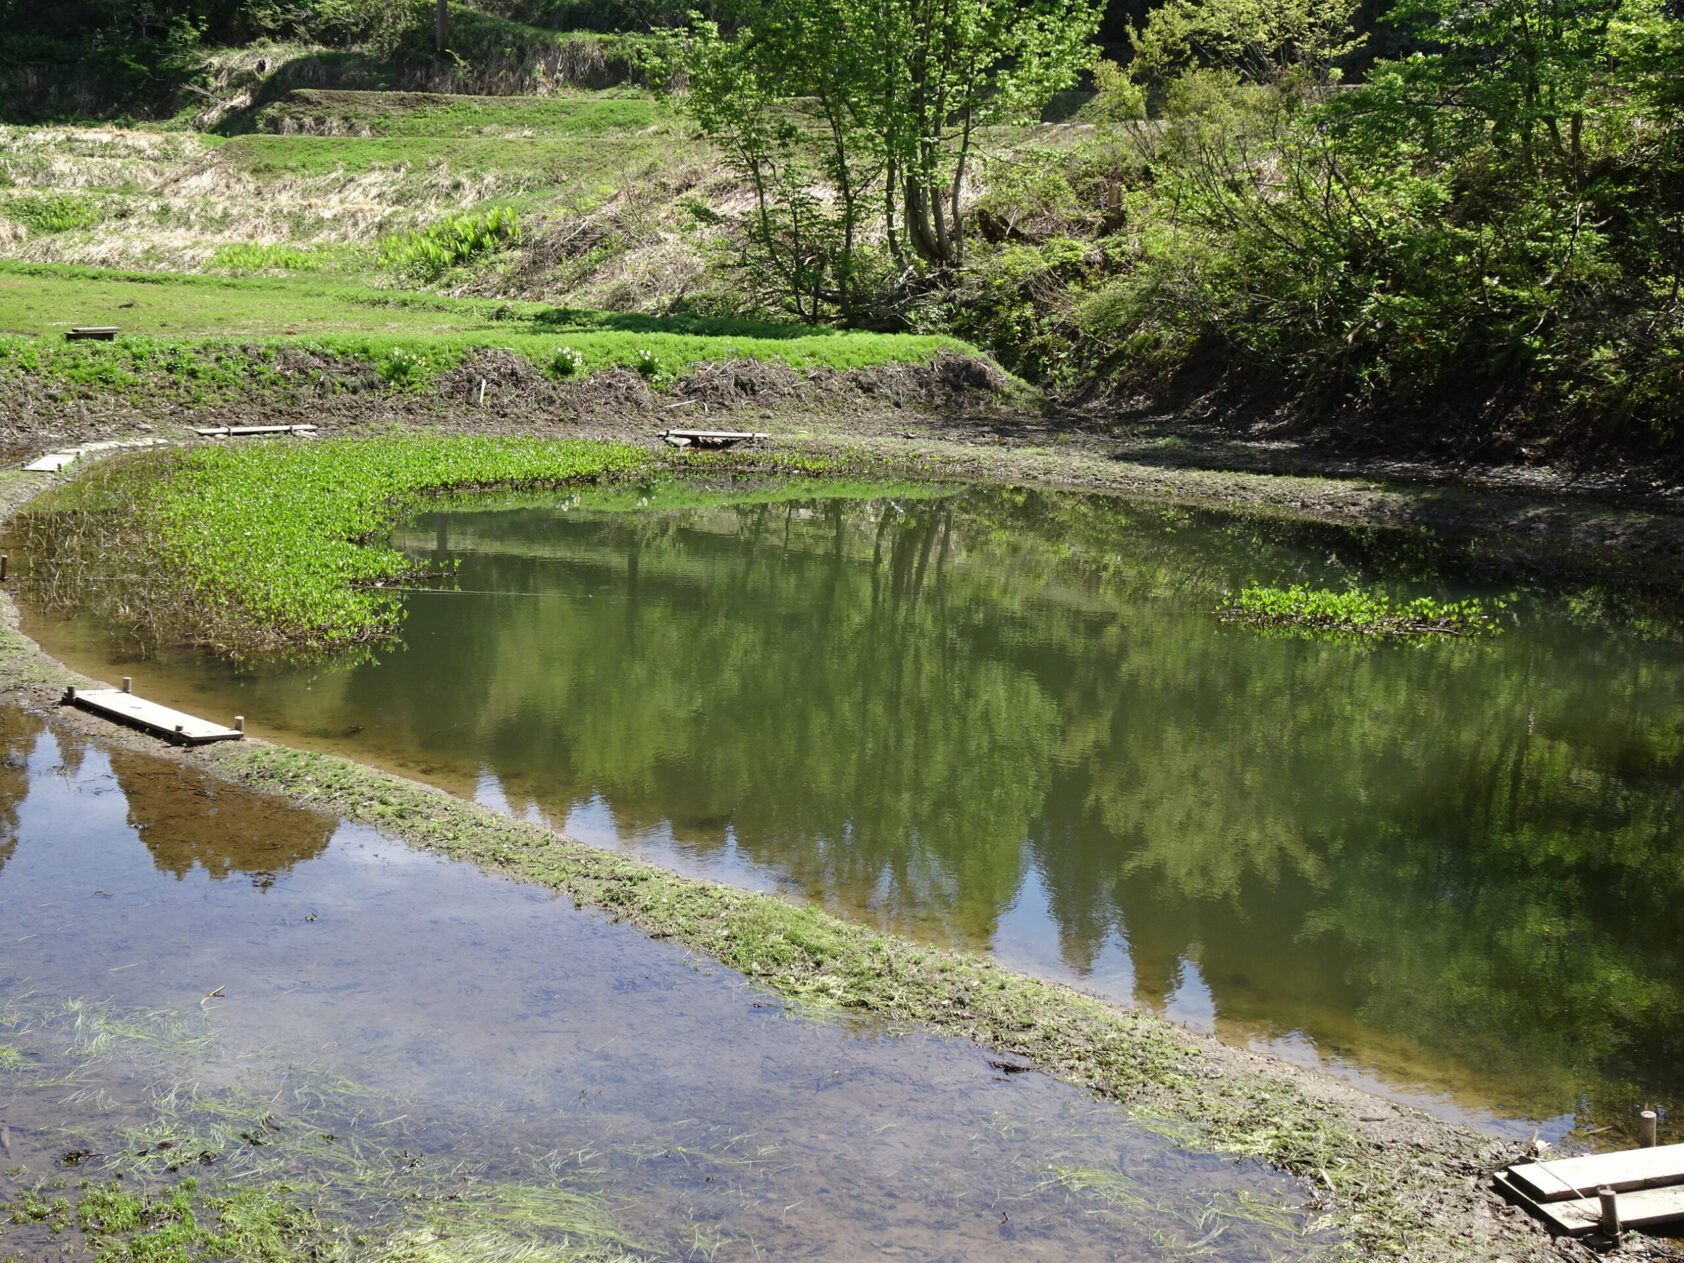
(178, 957)
(1009, 720)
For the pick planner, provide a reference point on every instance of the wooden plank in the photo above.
(223, 431)
(104, 333)
(51, 463)
(1574, 1177)
(1639, 1208)
(713, 434)
(172, 725)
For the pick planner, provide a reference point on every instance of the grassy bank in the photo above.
(208, 331)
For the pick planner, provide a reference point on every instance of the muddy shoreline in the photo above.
(1401, 1184)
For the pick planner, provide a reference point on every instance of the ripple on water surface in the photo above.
(201, 980)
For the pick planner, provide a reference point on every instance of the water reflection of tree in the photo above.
(188, 820)
(18, 734)
(899, 706)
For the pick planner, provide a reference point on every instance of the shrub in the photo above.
(54, 212)
(402, 367)
(429, 252)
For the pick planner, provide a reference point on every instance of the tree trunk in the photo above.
(441, 26)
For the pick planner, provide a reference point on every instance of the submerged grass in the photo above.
(276, 1167)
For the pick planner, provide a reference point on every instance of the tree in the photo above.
(844, 112)
(1264, 40)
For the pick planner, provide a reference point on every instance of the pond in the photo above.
(1008, 719)
(199, 981)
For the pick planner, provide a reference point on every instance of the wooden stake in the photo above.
(482, 392)
(1646, 1126)
(128, 684)
(239, 723)
(5, 563)
(1610, 1222)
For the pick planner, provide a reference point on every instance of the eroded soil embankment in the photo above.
(1399, 1184)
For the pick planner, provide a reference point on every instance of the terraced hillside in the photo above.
(323, 180)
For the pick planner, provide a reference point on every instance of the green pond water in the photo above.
(1009, 720)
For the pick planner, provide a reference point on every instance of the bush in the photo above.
(428, 253)
(54, 212)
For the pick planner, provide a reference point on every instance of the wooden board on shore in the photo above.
(711, 438)
(98, 333)
(1567, 1178)
(55, 462)
(172, 725)
(237, 431)
(1638, 1208)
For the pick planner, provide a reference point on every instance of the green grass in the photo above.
(441, 116)
(1354, 612)
(53, 212)
(200, 330)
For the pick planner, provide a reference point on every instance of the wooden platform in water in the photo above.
(172, 725)
(1649, 1184)
(711, 438)
(238, 431)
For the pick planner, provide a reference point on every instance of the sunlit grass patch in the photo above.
(204, 332)
(1353, 612)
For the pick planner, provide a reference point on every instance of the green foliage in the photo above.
(566, 362)
(1354, 612)
(428, 253)
(403, 367)
(53, 212)
(255, 257)
(1490, 232)
(647, 363)
(1263, 39)
(843, 112)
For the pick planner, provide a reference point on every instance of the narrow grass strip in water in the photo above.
(810, 956)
